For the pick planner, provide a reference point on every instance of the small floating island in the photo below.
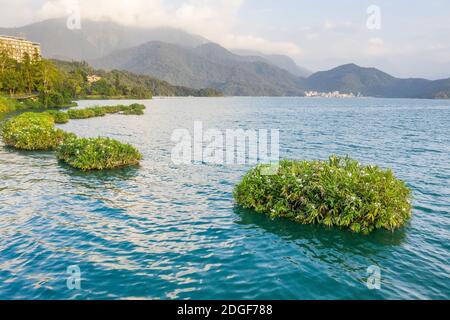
(37, 132)
(339, 192)
(97, 153)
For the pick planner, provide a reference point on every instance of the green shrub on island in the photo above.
(97, 153)
(59, 117)
(33, 131)
(98, 111)
(81, 113)
(339, 192)
(134, 109)
(113, 109)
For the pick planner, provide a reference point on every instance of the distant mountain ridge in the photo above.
(208, 65)
(281, 61)
(189, 60)
(375, 83)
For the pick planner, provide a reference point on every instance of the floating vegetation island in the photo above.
(339, 192)
(59, 117)
(37, 131)
(97, 153)
(32, 131)
(134, 109)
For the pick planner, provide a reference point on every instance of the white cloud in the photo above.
(333, 26)
(261, 44)
(212, 19)
(9, 16)
(376, 47)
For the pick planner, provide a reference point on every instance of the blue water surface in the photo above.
(166, 231)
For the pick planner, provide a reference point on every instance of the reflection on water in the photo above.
(165, 231)
(331, 238)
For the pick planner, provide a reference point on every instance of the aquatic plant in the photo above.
(81, 113)
(97, 153)
(32, 131)
(134, 109)
(113, 109)
(59, 117)
(339, 192)
(98, 111)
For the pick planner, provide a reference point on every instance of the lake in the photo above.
(167, 231)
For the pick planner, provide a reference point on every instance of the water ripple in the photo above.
(164, 232)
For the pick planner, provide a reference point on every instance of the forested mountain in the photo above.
(207, 65)
(129, 83)
(375, 83)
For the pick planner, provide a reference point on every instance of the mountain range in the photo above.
(189, 60)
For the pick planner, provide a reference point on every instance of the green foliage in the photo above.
(113, 109)
(36, 131)
(98, 111)
(112, 85)
(124, 84)
(97, 153)
(59, 116)
(134, 109)
(338, 192)
(42, 83)
(7, 105)
(81, 113)
(32, 131)
(37, 78)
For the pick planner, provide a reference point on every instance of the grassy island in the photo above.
(133, 109)
(97, 153)
(59, 117)
(339, 192)
(32, 131)
(36, 131)
(81, 113)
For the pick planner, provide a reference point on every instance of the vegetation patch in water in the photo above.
(81, 113)
(134, 109)
(113, 109)
(97, 153)
(32, 131)
(59, 117)
(98, 111)
(339, 192)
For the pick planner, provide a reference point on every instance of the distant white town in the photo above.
(334, 94)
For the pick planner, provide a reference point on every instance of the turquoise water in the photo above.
(167, 231)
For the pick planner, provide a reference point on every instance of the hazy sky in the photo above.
(413, 39)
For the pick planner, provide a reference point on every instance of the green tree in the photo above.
(28, 75)
(48, 77)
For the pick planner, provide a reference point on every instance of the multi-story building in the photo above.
(17, 47)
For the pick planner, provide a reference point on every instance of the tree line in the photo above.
(42, 81)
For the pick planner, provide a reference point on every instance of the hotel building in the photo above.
(17, 47)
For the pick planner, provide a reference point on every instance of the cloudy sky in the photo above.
(404, 38)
